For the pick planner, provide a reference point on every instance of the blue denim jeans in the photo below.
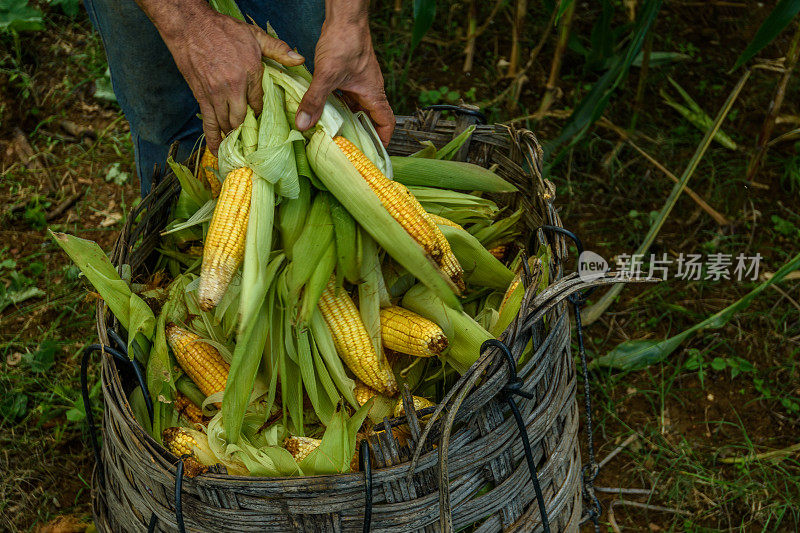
(149, 87)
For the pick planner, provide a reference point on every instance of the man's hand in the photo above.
(220, 57)
(346, 60)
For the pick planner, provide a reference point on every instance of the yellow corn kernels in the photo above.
(189, 410)
(182, 442)
(395, 197)
(419, 404)
(363, 393)
(409, 333)
(300, 447)
(224, 245)
(447, 259)
(441, 221)
(201, 361)
(353, 342)
(205, 172)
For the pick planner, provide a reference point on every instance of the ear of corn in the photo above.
(223, 252)
(352, 341)
(419, 404)
(206, 171)
(463, 333)
(189, 410)
(183, 442)
(409, 333)
(345, 182)
(448, 260)
(395, 198)
(363, 393)
(480, 267)
(300, 447)
(512, 299)
(201, 361)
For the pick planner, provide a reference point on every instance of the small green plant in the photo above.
(445, 95)
(737, 365)
(785, 227)
(19, 15)
(790, 403)
(43, 358)
(790, 180)
(16, 287)
(36, 212)
(69, 7)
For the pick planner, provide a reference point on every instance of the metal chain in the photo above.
(589, 471)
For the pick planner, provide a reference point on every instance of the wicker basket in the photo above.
(488, 482)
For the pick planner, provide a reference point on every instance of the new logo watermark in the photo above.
(689, 267)
(591, 266)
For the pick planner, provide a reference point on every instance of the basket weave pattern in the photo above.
(489, 480)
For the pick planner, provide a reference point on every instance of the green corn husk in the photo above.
(346, 184)
(316, 285)
(502, 231)
(327, 351)
(444, 174)
(347, 248)
(292, 215)
(188, 388)
(338, 444)
(449, 150)
(464, 334)
(480, 267)
(133, 313)
(313, 243)
(371, 293)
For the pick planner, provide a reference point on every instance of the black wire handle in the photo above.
(365, 463)
(151, 527)
(458, 110)
(120, 354)
(589, 471)
(515, 387)
(178, 490)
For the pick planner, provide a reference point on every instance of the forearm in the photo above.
(173, 18)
